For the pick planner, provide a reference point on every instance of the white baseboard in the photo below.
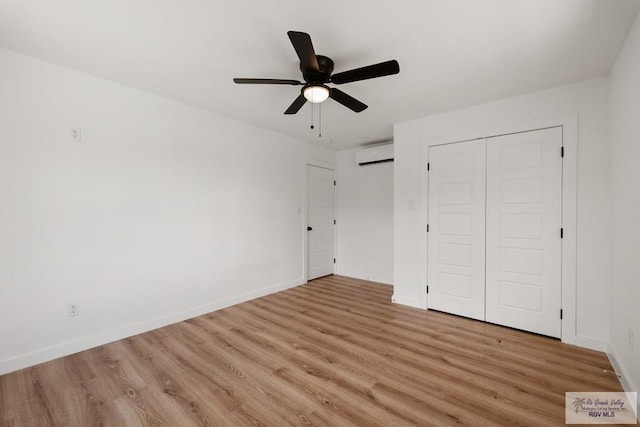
(87, 342)
(623, 375)
(409, 301)
(364, 276)
(591, 343)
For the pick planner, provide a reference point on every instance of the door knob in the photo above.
(309, 228)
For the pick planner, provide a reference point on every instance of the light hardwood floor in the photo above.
(333, 352)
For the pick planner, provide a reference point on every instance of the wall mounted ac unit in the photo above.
(373, 155)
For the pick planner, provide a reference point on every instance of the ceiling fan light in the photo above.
(316, 94)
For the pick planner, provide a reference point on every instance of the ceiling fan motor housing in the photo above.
(325, 65)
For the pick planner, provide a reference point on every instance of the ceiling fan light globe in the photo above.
(316, 94)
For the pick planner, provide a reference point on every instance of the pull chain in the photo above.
(320, 121)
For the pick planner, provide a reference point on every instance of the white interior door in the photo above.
(320, 222)
(456, 241)
(524, 202)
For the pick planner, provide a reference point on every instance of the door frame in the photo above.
(569, 125)
(305, 220)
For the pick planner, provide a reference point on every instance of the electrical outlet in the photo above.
(631, 339)
(76, 134)
(73, 309)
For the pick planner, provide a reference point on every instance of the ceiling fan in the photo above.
(316, 72)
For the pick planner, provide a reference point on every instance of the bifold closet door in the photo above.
(524, 202)
(456, 244)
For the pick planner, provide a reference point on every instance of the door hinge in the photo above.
(427, 288)
(427, 228)
(560, 314)
(428, 166)
(334, 260)
(561, 233)
(562, 151)
(334, 182)
(334, 222)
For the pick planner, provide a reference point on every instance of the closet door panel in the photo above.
(523, 243)
(456, 245)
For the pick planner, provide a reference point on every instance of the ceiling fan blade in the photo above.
(372, 71)
(296, 105)
(347, 100)
(304, 48)
(266, 81)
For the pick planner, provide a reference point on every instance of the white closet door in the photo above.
(320, 228)
(524, 196)
(456, 272)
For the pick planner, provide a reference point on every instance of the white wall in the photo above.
(588, 99)
(162, 211)
(364, 205)
(625, 209)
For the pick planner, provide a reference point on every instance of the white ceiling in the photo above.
(452, 53)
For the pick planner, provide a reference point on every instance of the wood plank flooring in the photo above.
(333, 352)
